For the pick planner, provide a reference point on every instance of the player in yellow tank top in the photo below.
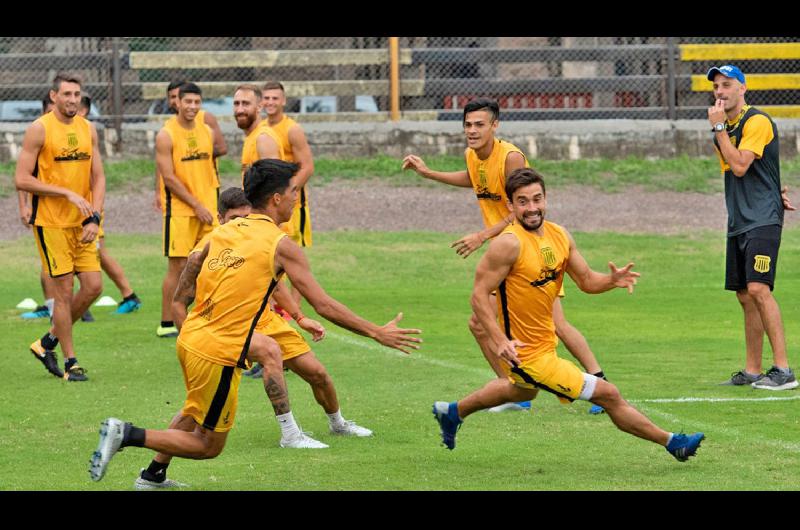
(240, 266)
(260, 141)
(60, 165)
(525, 264)
(489, 162)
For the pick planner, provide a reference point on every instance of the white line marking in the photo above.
(711, 400)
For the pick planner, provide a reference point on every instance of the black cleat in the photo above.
(47, 357)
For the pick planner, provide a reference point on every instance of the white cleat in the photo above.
(111, 433)
(302, 441)
(142, 484)
(349, 428)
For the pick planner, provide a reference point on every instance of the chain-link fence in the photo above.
(349, 77)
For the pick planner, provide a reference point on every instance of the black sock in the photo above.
(132, 436)
(601, 375)
(131, 296)
(69, 362)
(155, 472)
(167, 323)
(49, 342)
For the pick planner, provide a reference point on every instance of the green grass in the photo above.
(679, 335)
(673, 174)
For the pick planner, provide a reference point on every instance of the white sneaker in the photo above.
(349, 428)
(510, 406)
(111, 433)
(302, 441)
(142, 484)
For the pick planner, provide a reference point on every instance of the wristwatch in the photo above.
(718, 127)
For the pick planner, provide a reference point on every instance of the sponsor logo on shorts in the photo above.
(761, 263)
(226, 258)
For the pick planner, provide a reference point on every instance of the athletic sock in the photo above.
(132, 436)
(669, 440)
(131, 296)
(289, 427)
(335, 418)
(600, 374)
(49, 341)
(167, 323)
(50, 303)
(155, 472)
(68, 363)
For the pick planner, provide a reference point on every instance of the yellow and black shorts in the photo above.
(212, 390)
(291, 342)
(62, 252)
(298, 227)
(551, 373)
(181, 234)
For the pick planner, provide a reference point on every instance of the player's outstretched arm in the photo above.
(285, 300)
(187, 286)
(454, 178)
(290, 258)
(472, 242)
(593, 282)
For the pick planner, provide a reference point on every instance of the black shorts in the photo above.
(752, 257)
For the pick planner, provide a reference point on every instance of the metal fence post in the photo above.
(394, 78)
(671, 50)
(116, 90)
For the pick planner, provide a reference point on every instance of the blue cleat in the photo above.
(39, 312)
(449, 422)
(683, 446)
(596, 409)
(129, 306)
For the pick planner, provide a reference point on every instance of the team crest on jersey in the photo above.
(548, 256)
(762, 263)
(191, 143)
(226, 258)
(71, 152)
(72, 140)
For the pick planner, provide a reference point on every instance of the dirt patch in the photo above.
(380, 207)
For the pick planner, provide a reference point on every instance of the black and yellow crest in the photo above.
(548, 256)
(72, 140)
(761, 263)
(191, 142)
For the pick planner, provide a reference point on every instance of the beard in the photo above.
(244, 121)
(533, 222)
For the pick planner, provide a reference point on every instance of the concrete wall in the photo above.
(544, 140)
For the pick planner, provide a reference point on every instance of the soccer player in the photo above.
(746, 141)
(130, 302)
(295, 149)
(242, 264)
(525, 264)
(260, 140)
(489, 162)
(60, 165)
(184, 159)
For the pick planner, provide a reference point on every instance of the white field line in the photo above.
(712, 400)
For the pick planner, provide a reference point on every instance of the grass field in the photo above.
(677, 337)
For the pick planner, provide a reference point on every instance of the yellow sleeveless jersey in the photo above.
(282, 130)
(233, 287)
(192, 160)
(488, 179)
(64, 160)
(249, 151)
(525, 298)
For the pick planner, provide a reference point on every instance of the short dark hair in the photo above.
(273, 85)
(482, 104)
(266, 177)
(46, 101)
(86, 102)
(521, 177)
(189, 88)
(175, 84)
(231, 198)
(64, 78)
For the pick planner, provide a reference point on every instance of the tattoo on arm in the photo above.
(187, 283)
(276, 391)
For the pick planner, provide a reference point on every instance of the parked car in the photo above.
(329, 103)
(29, 110)
(216, 106)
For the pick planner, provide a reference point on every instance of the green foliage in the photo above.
(678, 335)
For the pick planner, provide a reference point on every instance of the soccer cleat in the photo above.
(349, 428)
(446, 415)
(777, 380)
(302, 441)
(87, 317)
(129, 306)
(596, 409)
(142, 484)
(75, 373)
(163, 332)
(47, 357)
(254, 372)
(683, 446)
(39, 312)
(521, 405)
(111, 434)
(741, 378)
